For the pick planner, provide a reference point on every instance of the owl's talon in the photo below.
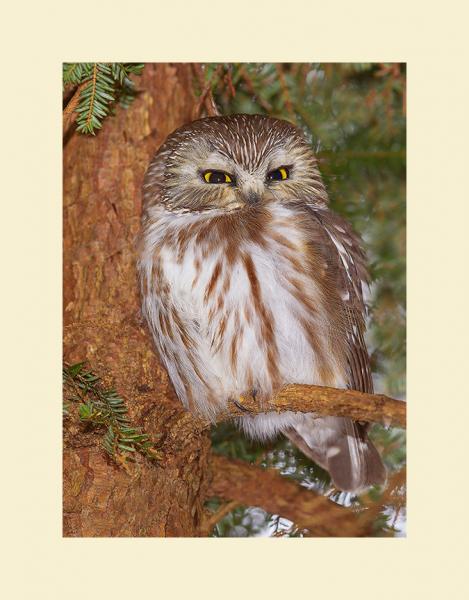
(241, 407)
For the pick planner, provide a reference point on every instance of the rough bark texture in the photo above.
(102, 205)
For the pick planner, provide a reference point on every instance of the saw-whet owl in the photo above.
(250, 282)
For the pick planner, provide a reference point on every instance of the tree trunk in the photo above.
(102, 205)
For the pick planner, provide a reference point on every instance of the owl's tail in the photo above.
(342, 447)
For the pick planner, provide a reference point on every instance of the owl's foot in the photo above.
(253, 393)
(240, 406)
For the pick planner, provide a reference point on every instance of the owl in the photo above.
(250, 282)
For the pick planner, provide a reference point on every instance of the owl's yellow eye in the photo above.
(279, 174)
(216, 177)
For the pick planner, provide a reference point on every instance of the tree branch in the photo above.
(372, 408)
(206, 98)
(252, 90)
(69, 110)
(246, 484)
(249, 485)
(209, 522)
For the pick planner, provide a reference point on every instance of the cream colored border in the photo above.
(36, 38)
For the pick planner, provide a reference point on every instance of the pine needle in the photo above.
(105, 408)
(101, 87)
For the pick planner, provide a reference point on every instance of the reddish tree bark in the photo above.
(102, 205)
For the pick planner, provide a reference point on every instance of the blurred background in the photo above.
(353, 114)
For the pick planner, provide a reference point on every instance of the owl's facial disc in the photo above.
(232, 163)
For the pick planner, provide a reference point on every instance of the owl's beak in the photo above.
(253, 194)
(252, 198)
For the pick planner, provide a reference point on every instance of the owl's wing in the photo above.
(339, 444)
(344, 250)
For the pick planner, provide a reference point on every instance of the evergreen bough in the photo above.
(105, 408)
(102, 86)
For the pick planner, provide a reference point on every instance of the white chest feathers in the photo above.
(236, 307)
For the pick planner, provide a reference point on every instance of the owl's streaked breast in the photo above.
(239, 302)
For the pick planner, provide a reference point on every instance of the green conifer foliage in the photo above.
(102, 86)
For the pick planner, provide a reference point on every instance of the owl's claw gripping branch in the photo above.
(239, 405)
(359, 406)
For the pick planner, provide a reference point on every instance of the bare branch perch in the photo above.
(373, 408)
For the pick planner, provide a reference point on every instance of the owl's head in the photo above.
(233, 163)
